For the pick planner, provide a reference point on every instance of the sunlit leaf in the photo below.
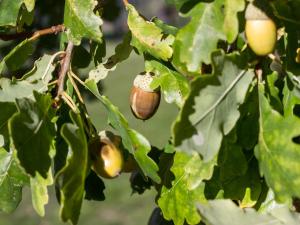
(39, 192)
(147, 37)
(122, 52)
(178, 203)
(212, 108)
(35, 80)
(276, 152)
(81, 20)
(217, 213)
(211, 22)
(173, 85)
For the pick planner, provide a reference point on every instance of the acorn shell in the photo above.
(143, 103)
(255, 13)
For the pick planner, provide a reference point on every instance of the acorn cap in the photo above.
(255, 13)
(143, 81)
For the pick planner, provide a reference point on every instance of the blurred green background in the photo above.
(120, 206)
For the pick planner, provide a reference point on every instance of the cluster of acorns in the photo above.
(108, 158)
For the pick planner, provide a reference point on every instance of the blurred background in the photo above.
(121, 207)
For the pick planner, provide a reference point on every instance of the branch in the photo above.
(125, 2)
(33, 35)
(65, 65)
(51, 30)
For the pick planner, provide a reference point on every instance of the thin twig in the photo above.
(77, 78)
(52, 83)
(91, 127)
(33, 35)
(65, 65)
(75, 87)
(69, 101)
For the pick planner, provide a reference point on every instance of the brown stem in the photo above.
(125, 2)
(33, 35)
(65, 65)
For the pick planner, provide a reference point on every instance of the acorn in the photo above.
(261, 32)
(107, 157)
(144, 101)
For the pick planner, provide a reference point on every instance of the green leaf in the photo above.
(122, 52)
(17, 56)
(39, 192)
(12, 179)
(273, 91)
(81, 20)
(25, 17)
(174, 86)
(231, 23)
(35, 80)
(269, 202)
(212, 108)
(71, 178)
(7, 111)
(178, 203)
(33, 132)
(236, 177)
(248, 125)
(276, 152)
(147, 37)
(180, 66)
(167, 29)
(9, 10)
(14, 89)
(196, 41)
(133, 141)
(42, 70)
(240, 176)
(221, 212)
(29, 4)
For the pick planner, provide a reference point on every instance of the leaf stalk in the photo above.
(33, 35)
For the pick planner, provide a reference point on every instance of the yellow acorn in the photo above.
(260, 31)
(107, 157)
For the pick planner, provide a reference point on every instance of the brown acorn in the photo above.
(144, 101)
